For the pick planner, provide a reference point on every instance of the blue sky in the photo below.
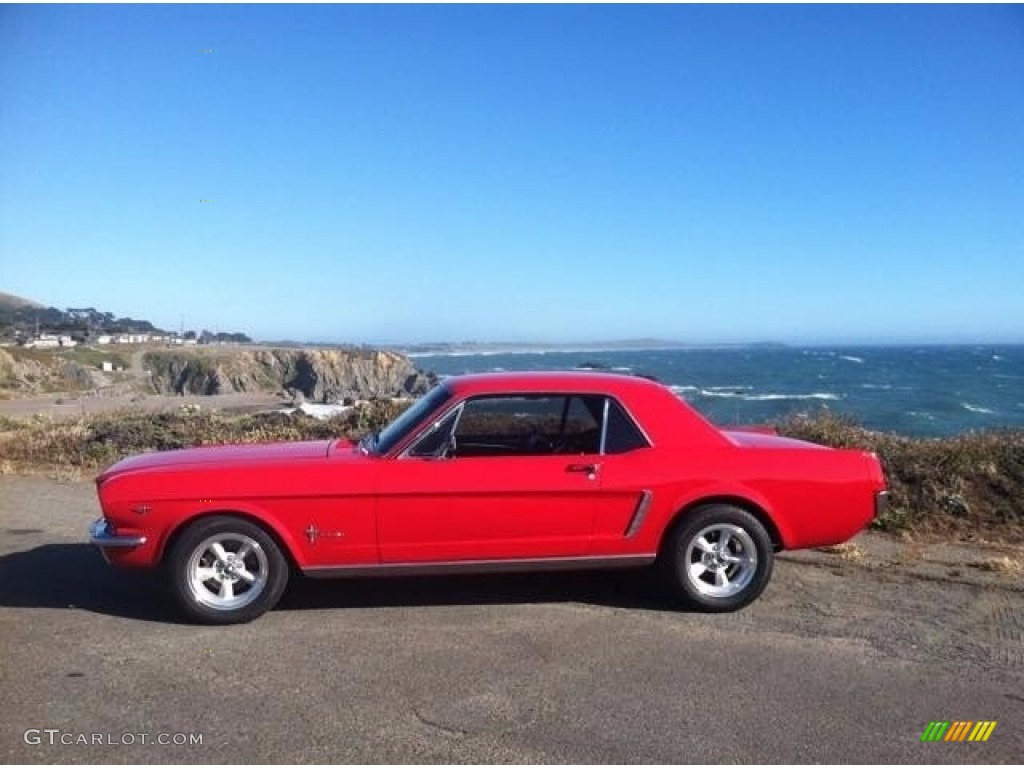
(413, 173)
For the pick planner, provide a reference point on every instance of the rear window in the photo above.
(623, 435)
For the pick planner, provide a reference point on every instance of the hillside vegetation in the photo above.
(26, 371)
(321, 375)
(971, 486)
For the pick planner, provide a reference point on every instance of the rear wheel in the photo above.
(718, 558)
(226, 570)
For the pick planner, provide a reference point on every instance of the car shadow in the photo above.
(74, 576)
(633, 588)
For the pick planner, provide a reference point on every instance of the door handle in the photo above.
(590, 470)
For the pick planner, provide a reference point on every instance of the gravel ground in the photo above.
(69, 406)
(846, 658)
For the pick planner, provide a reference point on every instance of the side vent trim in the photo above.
(643, 504)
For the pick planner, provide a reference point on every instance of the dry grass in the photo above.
(1004, 564)
(95, 441)
(848, 551)
(66, 474)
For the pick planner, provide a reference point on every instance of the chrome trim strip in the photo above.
(628, 414)
(459, 405)
(604, 425)
(640, 513)
(480, 566)
(100, 534)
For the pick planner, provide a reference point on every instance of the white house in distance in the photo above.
(132, 338)
(49, 340)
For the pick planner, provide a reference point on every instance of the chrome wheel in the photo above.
(720, 561)
(227, 571)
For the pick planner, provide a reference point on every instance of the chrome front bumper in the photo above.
(102, 534)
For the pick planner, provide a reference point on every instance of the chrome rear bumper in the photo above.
(881, 503)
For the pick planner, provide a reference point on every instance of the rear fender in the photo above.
(737, 495)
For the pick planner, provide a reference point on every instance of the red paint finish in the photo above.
(483, 508)
(336, 505)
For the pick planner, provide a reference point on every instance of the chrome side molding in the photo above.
(511, 565)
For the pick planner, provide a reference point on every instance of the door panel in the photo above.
(477, 508)
(624, 479)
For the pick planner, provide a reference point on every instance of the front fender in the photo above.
(247, 509)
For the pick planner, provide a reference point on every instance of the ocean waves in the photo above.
(923, 391)
(745, 393)
(976, 408)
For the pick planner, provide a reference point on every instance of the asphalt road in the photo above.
(839, 661)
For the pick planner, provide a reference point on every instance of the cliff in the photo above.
(321, 375)
(36, 371)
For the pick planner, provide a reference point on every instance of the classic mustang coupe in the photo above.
(491, 472)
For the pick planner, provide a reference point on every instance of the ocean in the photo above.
(925, 391)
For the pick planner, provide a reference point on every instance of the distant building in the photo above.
(131, 338)
(43, 341)
(104, 339)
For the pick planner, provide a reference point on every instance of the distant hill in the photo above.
(516, 347)
(10, 302)
(21, 319)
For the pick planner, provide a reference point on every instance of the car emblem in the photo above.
(313, 533)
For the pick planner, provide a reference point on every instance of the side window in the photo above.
(432, 441)
(532, 425)
(581, 430)
(622, 433)
(528, 425)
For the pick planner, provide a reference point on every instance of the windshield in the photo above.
(393, 434)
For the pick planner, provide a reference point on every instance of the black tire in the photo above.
(692, 558)
(256, 577)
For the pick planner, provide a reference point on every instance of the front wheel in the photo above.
(226, 570)
(718, 558)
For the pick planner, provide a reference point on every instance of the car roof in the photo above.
(665, 418)
(584, 382)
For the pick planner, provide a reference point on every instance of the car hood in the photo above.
(258, 453)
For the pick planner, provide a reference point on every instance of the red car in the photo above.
(492, 472)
